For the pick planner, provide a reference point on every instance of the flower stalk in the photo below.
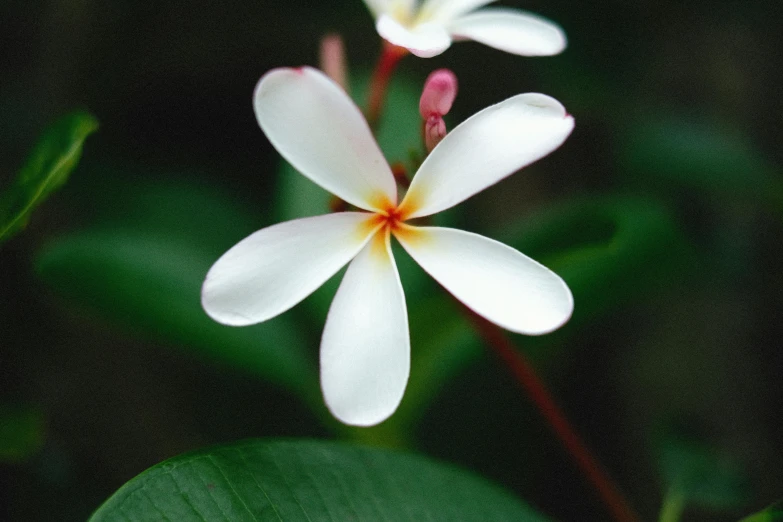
(379, 83)
(526, 377)
(332, 60)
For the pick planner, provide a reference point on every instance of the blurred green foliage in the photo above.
(610, 249)
(773, 513)
(671, 152)
(141, 265)
(22, 428)
(47, 167)
(698, 475)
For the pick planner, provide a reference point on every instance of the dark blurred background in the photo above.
(678, 114)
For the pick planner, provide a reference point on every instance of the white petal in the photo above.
(492, 279)
(424, 40)
(378, 7)
(365, 350)
(273, 269)
(399, 9)
(445, 10)
(510, 30)
(316, 127)
(486, 148)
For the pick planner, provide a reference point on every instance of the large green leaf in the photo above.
(142, 265)
(309, 481)
(773, 513)
(46, 169)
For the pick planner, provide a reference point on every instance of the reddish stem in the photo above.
(526, 376)
(379, 82)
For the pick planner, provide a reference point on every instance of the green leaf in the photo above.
(609, 249)
(700, 474)
(46, 169)
(696, 154)
(142, 265)
(443, 343)
(21, 431)
(309, 480)
(773, 513)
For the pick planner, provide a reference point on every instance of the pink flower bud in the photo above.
(434, 131)
(440, 89)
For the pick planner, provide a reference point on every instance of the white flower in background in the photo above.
(426, 28)
(365, 349)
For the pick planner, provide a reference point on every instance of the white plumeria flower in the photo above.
(427, 27)
(365, 349)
